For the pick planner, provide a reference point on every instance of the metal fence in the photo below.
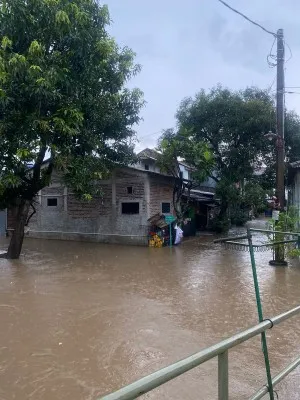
(219, 350)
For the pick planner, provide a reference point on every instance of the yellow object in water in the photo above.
(156, 241)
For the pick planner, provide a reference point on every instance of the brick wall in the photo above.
(100, 205)
(127, 224)
(125, 179)
(161, 190)
(103, 215)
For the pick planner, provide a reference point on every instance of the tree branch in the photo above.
(214, 178)
(31, 215)
(47, 175)
(38, 163)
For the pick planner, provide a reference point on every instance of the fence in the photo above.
(221, 349)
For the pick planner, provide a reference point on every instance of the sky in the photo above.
(184, 46)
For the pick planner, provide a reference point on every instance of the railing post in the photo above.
(223, 386)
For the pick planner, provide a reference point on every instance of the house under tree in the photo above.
(120, 214)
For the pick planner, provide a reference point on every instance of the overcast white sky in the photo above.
(184, 46)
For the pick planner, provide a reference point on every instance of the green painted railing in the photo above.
(219, 350)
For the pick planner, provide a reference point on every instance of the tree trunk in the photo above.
(16, 242)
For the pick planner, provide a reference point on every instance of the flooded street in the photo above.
(79, 320)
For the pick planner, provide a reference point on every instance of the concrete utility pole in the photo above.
(280, 166)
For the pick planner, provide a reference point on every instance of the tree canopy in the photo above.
(231, 125)
(63, 96)
(173, 148)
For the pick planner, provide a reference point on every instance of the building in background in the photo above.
(3, 222)
(294, 185)
(120, 214)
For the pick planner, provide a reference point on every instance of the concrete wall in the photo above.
(161, 190)
(2, 222)
(296, 191)
(152, 165)
(102, 220)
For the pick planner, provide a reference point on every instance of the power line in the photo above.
(269, 89)
(248, 19)
(272, 56)
(292, 92)
(291, 54)
(150, 134)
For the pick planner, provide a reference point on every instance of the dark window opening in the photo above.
(147, 167)
(130, 208)
(52, 202)
(129, 190)
(166, 208)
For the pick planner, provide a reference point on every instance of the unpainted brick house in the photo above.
(119, 215)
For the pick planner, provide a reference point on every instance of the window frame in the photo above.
(130, 202)
(161, 207)
(52, 205)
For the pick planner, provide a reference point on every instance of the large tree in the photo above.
(62, 97)
(233, 125)
(174, 147)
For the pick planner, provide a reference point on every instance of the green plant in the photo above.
(239, 217)
(288, 222)
(220, 224)
(254, 197)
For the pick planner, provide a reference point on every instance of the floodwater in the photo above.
(79, 320)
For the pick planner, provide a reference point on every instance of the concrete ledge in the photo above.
(136, 240)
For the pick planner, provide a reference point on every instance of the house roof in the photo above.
(152, 154)
(148, 154)
(181, 162)
(202, 192)
(295, 164)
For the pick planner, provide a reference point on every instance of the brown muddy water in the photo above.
(79, 320)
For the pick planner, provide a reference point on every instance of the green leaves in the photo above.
(10, 180)
(35, 48)
(62, 18)
(6, 43)
(232, 125)
(254, 197)
(62, 93)
(35, 68)
(22, 153)
(175, 146)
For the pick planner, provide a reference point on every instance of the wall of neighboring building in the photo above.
(161, 191)
(103, 219)
(147, 165)
(209, 185)
(296, 191)
(185, 171)
(118, 215)
(2, 222)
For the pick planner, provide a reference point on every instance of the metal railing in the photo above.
(219, 350)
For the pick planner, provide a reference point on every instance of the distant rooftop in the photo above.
(295, 164)
(148, 153)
